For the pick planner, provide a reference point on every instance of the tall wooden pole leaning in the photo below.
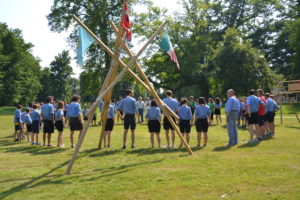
(130, 63)
(166, 110)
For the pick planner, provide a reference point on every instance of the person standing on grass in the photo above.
(128, 105)
(186, 117)
(232, 110)
(252, 110)
(75, 119)
(17, 122)
(59, 122)
(28, 122)
(47, 113)
(22, 125)
(66, 106)
(218, 107)
(211, 105)
(192, 104)
(110, 122)
(141, 106)
(243, 112)
(202, 113)
(173, 105)
(261, 114)
(36, 123)
(272, 107)
(153, 117)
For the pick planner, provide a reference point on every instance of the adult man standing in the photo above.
(128, 105)
(252, 103)
(141, 105)
(173, 105)
(232, 110)
(47, 113)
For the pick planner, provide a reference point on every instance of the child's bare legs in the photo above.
(152, 139)
(205, 138)
(167, 138)
(158, 139)
(60, 139)
(32, 137)
(108, 138)
(72, 139)
(198, 138)
(187, 138)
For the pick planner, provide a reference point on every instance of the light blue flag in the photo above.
(85, 40)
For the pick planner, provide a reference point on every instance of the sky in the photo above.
(30, 17)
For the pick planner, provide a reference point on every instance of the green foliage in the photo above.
(19, 70)
(240, 66)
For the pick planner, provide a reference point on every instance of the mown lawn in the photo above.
(266, 170)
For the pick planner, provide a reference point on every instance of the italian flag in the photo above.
(166, 45)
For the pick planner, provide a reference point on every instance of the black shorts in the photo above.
(211, 116)
(202, 125)
(167, 124)
(18, 127)
(109, 125)
(59, 125)
(65, 113)
(129, 121)
(154, 126)
(48, 126)
(75, 124)
(185, 126)
(243, 114)
(217, 111)
(270, 117)
(253, 118)
(193, 110)
(261, 120)
(29, 127)
(36, 124)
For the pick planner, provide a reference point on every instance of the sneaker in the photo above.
(72, 146)
(16, 140)
(198, 145)
(180, 146)
(33, 143)
(124, 147)
(132, 146)
(108, 146)
(171, 147)
(167, 146)
(37, 143)
(204, 145)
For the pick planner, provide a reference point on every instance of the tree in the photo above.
(19, 69)
(240, 66)
(60, 76)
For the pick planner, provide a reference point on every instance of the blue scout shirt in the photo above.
(22, 117)
(27, 119)
(47, 111)
(271, 105)
(153, 113)
(254, 101)
(128, 105)
(185, 113)
(17, 117)
(35, 115)
(111, 112)
(58, 114)
(74, 110)
(232, 104)
(202, 111)
(171, 103)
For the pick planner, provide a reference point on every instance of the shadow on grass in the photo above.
(35, 150)
(296, 127)
(32, 182)
(150, 151)
(8, 142)
(249, 145)
(112, 171)
(222, 148)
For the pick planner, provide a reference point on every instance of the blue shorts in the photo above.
(36, 126)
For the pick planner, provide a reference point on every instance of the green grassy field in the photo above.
(266, 170)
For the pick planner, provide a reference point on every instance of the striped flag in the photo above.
(85, 41)
(166, 45)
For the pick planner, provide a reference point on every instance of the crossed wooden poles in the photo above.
(112, 79)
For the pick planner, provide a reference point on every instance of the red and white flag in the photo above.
(125, 21)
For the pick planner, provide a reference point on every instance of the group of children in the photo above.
(257, 112)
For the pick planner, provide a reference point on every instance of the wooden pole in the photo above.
(143, 75)
(166, 110)
(131, 62)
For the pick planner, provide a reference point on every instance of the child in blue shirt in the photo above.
(17, 122)
(109, 125)
(59, 122)
(153, 117)
(185, 116)
(28, 122)
(36, 122)
(201, 114)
